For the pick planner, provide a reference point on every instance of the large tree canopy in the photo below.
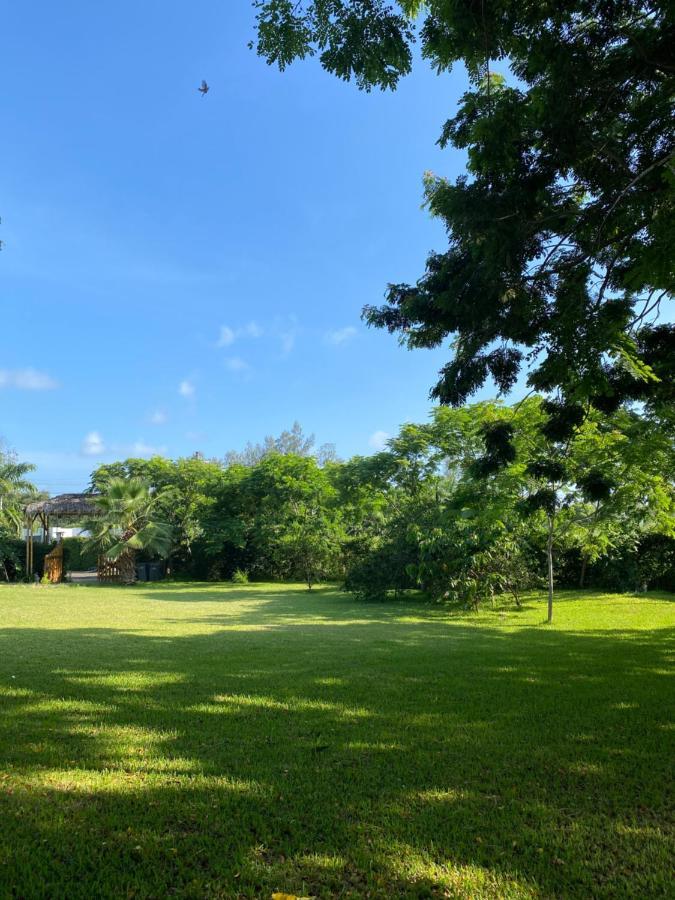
(561, 231)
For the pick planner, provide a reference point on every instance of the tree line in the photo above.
(481, 500)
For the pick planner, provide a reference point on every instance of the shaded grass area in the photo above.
(203, 741)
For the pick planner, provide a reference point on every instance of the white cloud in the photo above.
(378, 440)
(140, 448)
(340, 335)
(227, 336)
(252, 330)
(158, 417)
(237, 364)
(27, 380)
(93, 444)
(287, 339)
(186, 389)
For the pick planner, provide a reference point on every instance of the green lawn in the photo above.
(222, 741)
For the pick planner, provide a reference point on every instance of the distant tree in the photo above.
(310, 542)
(128, 522)
(561, 230)
(288, 516)
(294, 442)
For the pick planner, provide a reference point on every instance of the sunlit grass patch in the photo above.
(232, 741)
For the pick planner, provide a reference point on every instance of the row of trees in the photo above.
(480, 500)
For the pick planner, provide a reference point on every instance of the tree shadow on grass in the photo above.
(364, 760)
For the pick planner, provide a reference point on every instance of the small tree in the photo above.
(311, 544)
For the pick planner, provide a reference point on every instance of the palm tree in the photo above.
(15, 492)
(129, 520)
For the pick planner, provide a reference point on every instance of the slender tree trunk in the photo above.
(549, 559)
(582, 577)
(127, 566)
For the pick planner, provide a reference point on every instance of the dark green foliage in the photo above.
(562, 420)
(78, 554)
(12, 556)
(543, 499)
(648, 565)
(383, 570)
(596, 485)
(561, 231)
(656, 347)
(547, 469)
(500, 450)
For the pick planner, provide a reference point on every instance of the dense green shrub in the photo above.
(78, 555)
(12, 557)
(650, 565)
(383, 569)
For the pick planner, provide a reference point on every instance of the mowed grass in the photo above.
(224, 741)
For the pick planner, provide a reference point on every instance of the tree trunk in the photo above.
(549, 558)
(127, 566)
(582, 577)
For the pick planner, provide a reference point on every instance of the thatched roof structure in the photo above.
(71, 505)
(64, 506)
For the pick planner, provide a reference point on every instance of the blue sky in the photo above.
(183, 273)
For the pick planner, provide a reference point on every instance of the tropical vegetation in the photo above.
(483, 500)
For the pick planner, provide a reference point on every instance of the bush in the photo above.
(651, 566)
(12, 557)
(79, 555)
(380, 571)
(239, 577)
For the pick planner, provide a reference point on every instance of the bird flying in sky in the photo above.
(204, 89)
